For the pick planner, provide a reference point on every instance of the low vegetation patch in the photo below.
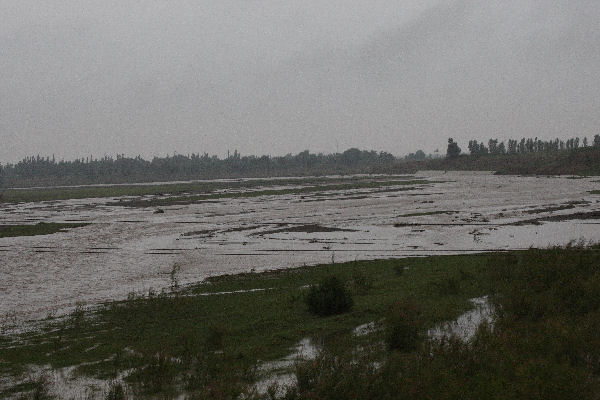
(42, 228)
(403, 331)
(551, 209)
(418, 214)
(306, 228)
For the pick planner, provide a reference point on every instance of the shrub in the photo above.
(329, 297)
(402, 331)
(216, 337)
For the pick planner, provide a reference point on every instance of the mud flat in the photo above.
(134, 249)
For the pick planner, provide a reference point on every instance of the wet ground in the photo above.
(127, 250)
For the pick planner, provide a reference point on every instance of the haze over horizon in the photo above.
(81, 78)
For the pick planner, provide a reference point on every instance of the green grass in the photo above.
(260, 325)
(42, 228)
(544, 343)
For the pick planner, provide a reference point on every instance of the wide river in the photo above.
(127, 250)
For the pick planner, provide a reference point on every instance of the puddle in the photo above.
(277, 373)
(465, 326)
(65, 383)
(365, 329)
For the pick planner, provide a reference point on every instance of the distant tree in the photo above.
(493, 146)
(386, 158)
(351, 156)
(482, 148)
(585, 142)
(453, 150)
(529, 145)
(596, 140)
(501, 148)
(473, 147)
(418, 155)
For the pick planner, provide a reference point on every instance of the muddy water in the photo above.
(133, 250)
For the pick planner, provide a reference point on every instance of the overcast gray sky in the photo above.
(150, 77)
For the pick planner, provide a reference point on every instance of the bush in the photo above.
(402, 327)
(329, 297)
(216, 337)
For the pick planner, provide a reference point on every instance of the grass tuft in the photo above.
(329, 297)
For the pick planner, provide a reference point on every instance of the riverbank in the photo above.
(212, 339)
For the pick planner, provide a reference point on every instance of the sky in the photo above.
(157, 77)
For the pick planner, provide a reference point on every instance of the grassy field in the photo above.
(49, 194)
(231, 332)
(42, 228)
(544, 343)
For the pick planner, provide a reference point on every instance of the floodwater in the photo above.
(465, 326)
(128, 250)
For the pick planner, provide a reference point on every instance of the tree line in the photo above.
(38, 170)
(525, 145)
(45, 171)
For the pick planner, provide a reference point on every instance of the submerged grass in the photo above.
(42, 228)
